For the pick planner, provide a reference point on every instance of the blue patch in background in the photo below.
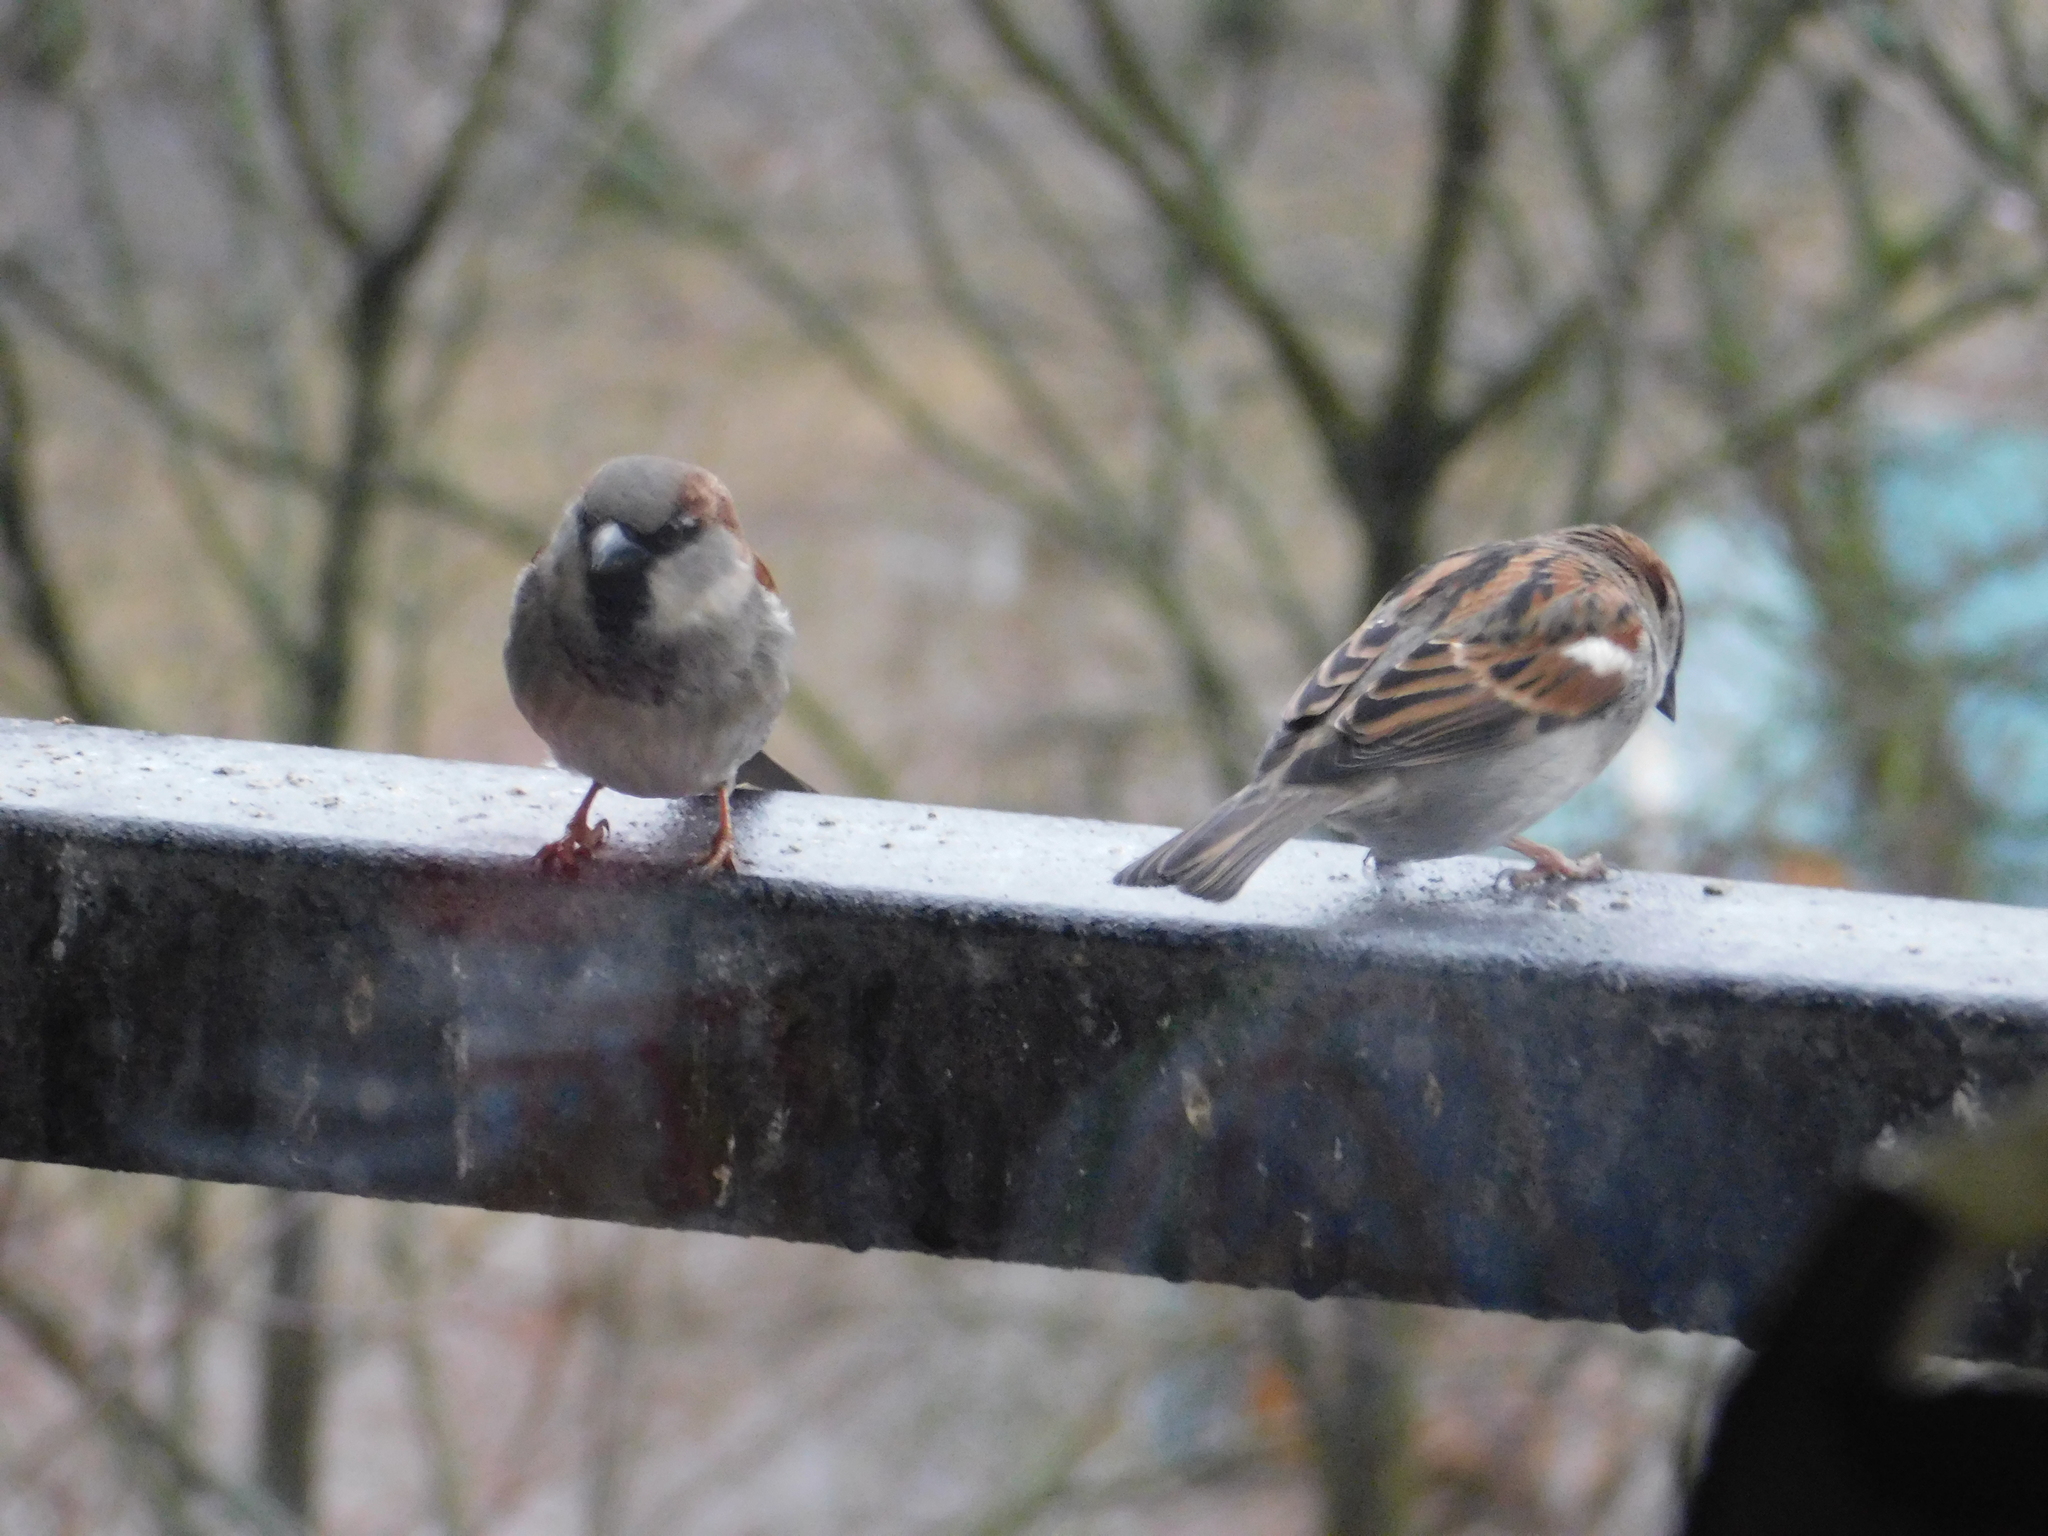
(1963, 521)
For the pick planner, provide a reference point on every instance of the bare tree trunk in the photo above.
(183, 1252)
(294, 1356)
(610, 1436)
(383, 269)
(1391, 477)
(440, 1444)
(330, 662)
(1348, 1363)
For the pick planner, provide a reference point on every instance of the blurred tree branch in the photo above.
(1090, 513)
(1045, 1483)
(1918, 817)
(1387, 447)
(446, 1462)
(1586, 274)
(1757, 428)
(1094, 513)
(186, 424)
(41, 610)
(1387, 441)
(182, 1243)
(1346, 1364)
(381, 271)
(187, 427)
(375, 323)
(144, 1441)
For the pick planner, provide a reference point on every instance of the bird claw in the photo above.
(567, 854)
(1551, 865)
(723, 854)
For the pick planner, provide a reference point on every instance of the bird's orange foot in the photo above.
(567, 854)
(1549, 864)
(723, 854)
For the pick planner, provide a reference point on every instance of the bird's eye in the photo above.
(674, 534)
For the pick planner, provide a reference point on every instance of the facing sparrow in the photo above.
(1477, 697)
(649, 648)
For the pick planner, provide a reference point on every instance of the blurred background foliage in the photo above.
(1084, 369)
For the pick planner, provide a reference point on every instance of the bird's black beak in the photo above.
(616, 550)
(1668, 705)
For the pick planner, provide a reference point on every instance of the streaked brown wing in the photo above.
(1422, 601)
(1339, 670)
(1496, 668)
(1546, 680)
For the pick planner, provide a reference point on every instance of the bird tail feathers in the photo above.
(763, 772)
(1214, 859)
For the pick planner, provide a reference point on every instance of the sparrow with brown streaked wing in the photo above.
(649, 648)
(1476, 698)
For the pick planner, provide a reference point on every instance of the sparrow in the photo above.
(649, 648)
(1477, 697)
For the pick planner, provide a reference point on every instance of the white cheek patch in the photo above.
(678, 606)
(1600, 655)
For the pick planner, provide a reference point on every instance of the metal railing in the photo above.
(944, 1029)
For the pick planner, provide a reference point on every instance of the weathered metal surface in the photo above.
(942, 1029)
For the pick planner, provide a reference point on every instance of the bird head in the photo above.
(1658, 588)
(659, 549)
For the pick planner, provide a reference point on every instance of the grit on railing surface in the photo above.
(943, 1029)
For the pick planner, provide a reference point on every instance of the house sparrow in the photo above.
(1478, 696)
(649, 648)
